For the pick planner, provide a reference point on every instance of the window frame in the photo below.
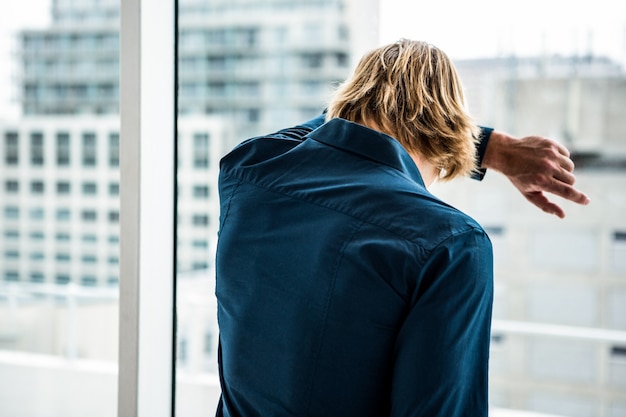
(147, 167)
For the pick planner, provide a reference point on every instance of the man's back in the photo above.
(345, 288)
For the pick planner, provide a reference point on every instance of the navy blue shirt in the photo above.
(344, 287)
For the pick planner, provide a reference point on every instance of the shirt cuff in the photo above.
(481, 147)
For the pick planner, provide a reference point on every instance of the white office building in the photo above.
(60, 197)
(260, 64)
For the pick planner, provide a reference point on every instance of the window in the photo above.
(63, 187)
(114, 149)
(88, 280)
(62, 257)
(63, 149)
(11, 275)
(114, 189)
(252, 115)
(618, 252)
(62, 237)
(312, 61)
(11, 148)
(89, 149)
(201, 191)
(36, 213)
(249, 89)
(200, 220)
(36, 149)
(36, 256)
(37, 235)
(114, 216)
(11, 186)
(196, 266)
(208, 342)
(37, 187)
(89, 238)
(342, 60)
(182, 350)
(11, 212)
(201, 244)
(113, 239)
(11, 234)
(89, 215)
(90, 188)
(63, 214)
(57, 87)
(62, 279)
(201, 150)
(12, 254)
(89, 259)
(113, 260)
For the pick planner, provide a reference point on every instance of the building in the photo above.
(261, 65)
(249, 66)
(60, 197)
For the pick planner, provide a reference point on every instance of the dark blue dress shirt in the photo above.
(344, 287)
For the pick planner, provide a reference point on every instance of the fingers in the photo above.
(566, 163)
(562, 149)
(540, 200)
(565, 177)
(565, 190)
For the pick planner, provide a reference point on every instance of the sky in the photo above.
(463, 29)
(468, 29)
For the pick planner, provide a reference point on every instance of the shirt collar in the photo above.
(369, 143)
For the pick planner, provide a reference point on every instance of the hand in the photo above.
(535, 165)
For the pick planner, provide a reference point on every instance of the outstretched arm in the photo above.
(535, 165)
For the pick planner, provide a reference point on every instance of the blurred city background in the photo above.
(248, 67)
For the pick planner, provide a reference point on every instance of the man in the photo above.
(344, 287)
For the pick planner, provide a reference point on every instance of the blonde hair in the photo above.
(411, 90)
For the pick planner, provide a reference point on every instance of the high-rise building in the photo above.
(60, 197)
(259, 64)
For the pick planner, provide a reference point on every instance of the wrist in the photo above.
(495, 156)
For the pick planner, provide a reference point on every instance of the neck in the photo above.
(426, 169)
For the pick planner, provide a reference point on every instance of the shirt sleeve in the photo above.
(481, 147)
(441, 356)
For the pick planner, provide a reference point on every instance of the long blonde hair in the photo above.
(411, 90)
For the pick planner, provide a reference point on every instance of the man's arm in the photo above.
(535, 165)
(441, 351)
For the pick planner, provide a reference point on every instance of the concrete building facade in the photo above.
(559, 334)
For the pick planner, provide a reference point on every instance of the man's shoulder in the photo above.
(261, 148)
(420, 217)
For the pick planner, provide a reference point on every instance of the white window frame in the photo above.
(147, 120)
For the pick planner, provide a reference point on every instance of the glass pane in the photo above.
(251, 67)
(558, 282)
(238, 77)
(59, 234)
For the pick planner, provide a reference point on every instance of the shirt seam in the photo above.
(427, 251)
(328, 302)
(229, 202)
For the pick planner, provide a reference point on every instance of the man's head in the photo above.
(411, 91)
